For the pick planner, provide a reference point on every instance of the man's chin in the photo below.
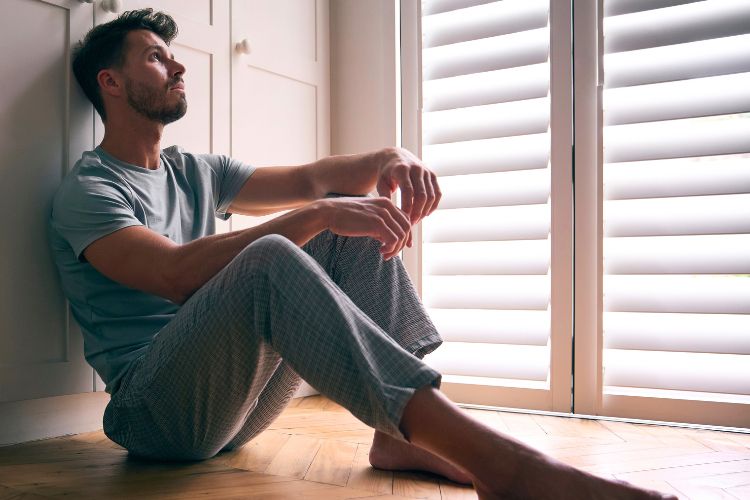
(176, 115)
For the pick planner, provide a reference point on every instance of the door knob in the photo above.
(243, 47)
(112, 5)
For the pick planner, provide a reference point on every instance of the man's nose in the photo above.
(177, 68)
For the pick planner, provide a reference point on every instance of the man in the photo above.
(200, 337)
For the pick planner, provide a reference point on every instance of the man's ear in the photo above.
(110, 82)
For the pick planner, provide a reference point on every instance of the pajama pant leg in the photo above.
(381, 289)
(218, 364)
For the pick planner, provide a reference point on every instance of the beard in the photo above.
(152, 103)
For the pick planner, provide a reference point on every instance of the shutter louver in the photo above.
(486, 133)
(676, 110)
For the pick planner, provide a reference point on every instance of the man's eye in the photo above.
(155, 55)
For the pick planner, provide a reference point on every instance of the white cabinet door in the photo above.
(280, 89)
(202, 46)
(45, 124)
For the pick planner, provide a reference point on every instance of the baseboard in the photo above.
(33, 419)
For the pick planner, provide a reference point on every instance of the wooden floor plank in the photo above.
(659, 485)
(671, 461)
(132, 481)
(586, 449)
(548, 444)
(416, 484)
(627, 431)
(740, 492)
(364, 477)
(388, 497)
(721, 481)
(741, 438)
(688, 471)
(295, 457)
(719, 441)
(453, 491)
(698, 491)
(634, 458)
(332, 463)
(575, 427)
(489, 418)
(258, 453)
(11, 494)
(521, 425)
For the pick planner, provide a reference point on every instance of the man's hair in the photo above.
(104, 47)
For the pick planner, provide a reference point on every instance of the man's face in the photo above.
(153, 78)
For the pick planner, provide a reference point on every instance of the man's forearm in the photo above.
(354, 174)
(194, 263)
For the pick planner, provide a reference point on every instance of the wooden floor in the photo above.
(317, 450)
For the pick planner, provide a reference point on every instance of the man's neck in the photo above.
(135, 143)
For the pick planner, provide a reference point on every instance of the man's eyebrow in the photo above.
(157, 46)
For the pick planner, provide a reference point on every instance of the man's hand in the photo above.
(377, 218)
(420, 193)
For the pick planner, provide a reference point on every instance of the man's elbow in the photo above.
(178, 298)
(174, 285)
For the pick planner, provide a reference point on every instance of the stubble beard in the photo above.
(151, 103)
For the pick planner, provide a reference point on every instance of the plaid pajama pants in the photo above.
(333, 312)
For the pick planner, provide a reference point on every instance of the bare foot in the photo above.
(390, 454)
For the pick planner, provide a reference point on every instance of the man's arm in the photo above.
(140, 258)
(273, 189)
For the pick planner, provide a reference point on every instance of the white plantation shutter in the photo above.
(486, 133)
(676, 138)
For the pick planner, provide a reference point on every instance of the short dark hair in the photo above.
(104, 47)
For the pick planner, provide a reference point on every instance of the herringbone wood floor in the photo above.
(317, 450)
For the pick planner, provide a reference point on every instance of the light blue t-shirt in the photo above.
(101, 195)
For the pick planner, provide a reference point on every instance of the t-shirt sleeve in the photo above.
(230, 176)
(88, 208)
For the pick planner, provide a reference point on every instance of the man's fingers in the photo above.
(407, 193)
(420, 196)
(384, 188)
(430, 202)
(378, 218)
(436, 189)
(393, 228)
(399, 224)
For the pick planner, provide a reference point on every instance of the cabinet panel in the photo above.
(198, 11)
(285, 28)
(280, 125)
(45, 125)
(280, 90)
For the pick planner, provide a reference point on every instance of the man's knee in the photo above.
(272, 257)
(267, 250)
(272, 244)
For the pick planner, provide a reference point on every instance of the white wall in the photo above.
(363, 75)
